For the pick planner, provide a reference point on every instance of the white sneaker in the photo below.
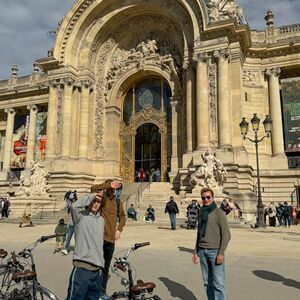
(64, 251)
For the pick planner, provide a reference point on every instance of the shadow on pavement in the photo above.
(166, 228)
(184, 249)
(276, 277)
(177, 290)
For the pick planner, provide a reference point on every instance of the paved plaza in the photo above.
(260, 265)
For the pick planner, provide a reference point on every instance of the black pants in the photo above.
(108, 251)
(4, 213)
(272, 221)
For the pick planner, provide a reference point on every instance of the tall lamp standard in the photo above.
(244, 125)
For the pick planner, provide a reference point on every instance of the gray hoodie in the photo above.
(89, 232)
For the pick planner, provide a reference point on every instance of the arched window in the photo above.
(151, 91)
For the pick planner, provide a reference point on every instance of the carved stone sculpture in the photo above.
(225, 9)
(36, 185)
(210, 174)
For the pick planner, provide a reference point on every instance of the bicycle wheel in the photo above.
(43, 293)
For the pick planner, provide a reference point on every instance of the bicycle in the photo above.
(139, 291)
(19, 283)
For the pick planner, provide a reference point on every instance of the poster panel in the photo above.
(290, 89)
(19, 144)
(40, 136)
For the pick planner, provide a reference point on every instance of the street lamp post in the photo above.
(244, 125)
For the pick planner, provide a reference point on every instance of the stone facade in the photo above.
(218, 71)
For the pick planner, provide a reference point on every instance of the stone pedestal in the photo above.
(38, 204)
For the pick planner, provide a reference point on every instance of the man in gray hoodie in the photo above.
(86, 276)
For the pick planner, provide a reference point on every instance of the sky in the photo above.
(25, 27)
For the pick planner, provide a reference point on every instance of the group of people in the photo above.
(4, 207)
(97, 220)
(229, 206)
(149, 215)
(285, 214)
(153, 175)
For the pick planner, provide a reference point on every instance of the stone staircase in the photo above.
(157, 194)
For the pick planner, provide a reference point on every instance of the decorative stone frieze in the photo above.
(212, 99)
(249, 77)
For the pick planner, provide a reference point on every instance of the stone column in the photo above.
(84, 119)
(174, 159)
(224, 105)
(31, 136)
(275, 111)
(202, 105)
(189, 110)
(67, 117)
(52, 120)
(8, 139)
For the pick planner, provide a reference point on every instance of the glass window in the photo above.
(167, 100)
(128, 106)
(148, 92)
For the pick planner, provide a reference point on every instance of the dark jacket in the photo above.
(171, 207)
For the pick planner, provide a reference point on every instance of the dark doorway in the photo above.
(147, 149)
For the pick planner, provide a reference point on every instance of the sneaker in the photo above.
(64, 252)
(104, 297)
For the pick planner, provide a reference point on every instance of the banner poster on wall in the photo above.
(19, 142)
(40, 136)
(290, 89)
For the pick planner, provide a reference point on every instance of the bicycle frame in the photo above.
(31, 282)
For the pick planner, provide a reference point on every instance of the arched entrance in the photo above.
(145, 133)
(147, 149)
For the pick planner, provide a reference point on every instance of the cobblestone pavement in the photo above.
(260, 264)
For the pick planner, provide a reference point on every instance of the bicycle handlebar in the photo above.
(47, 237)
(139, 245)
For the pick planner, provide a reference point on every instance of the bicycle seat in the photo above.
(3, 253)
(140, 285)
(23, 275)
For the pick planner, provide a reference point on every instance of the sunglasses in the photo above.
(205, 197)
(97, 200)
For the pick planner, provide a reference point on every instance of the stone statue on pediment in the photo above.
(219, 10)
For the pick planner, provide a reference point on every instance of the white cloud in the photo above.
(24, 25)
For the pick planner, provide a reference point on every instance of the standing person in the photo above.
(26, 218)
(298, 216)
(113, 213)
(272, 214)
(279, 215)
(287, 214)
(213, 237)
(1, 206)
(61, 231)
(141, 175)
(86, 277)
(70, 232)
(172, 210)
(66, 198)
(5, 207)
(157, 175)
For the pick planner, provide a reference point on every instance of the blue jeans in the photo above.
(70, 232)
(84, 284)
(213, 275)
(172, 217)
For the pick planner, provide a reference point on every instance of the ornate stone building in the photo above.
(133, 84)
